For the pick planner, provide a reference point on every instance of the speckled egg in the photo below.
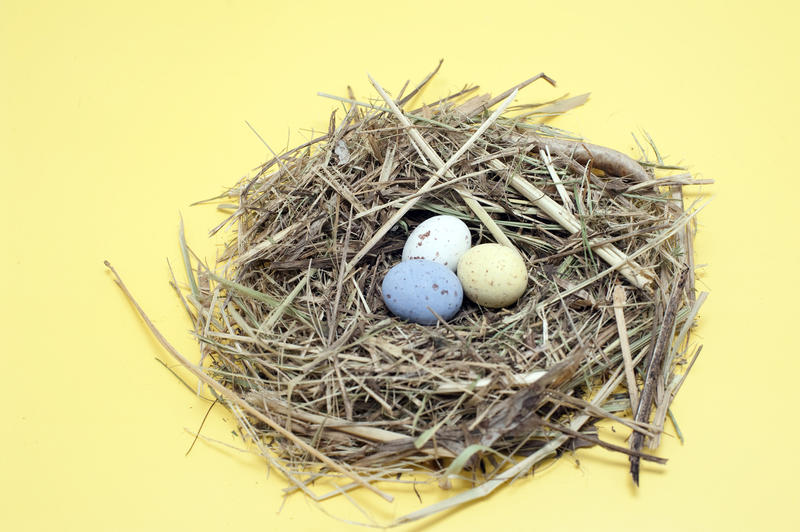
(410, 287)
(493, 275)
(443, 239)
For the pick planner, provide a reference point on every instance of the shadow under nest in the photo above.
(291, 318)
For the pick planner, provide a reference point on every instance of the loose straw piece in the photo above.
(622, 328)
(268, 243)
(521, 380)
(275, 315)
(544, 154)
(443, 169)
(235, 399)
(629, 269)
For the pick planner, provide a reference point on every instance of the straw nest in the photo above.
(297, 342)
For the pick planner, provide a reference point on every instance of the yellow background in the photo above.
(115, 116)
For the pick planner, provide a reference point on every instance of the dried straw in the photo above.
(296, 341)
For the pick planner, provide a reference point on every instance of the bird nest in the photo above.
(297, 342)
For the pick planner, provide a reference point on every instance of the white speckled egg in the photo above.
(443, 239)
(493, 275)
(410, 288)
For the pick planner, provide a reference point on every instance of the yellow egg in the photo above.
(492, 275)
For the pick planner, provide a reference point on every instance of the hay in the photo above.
(296, 341)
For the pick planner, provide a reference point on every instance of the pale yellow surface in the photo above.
(493, 275)
(115, 116)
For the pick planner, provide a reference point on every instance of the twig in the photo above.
(660, 416)
(608, 160)
(660, 346)
(419, 86)
(516, 88)
(597, 441)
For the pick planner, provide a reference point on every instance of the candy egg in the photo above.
(443, 239)
(410, 287)
(493, 275)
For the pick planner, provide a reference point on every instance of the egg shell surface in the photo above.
(443, 239)
(493, 275)
(412, 286)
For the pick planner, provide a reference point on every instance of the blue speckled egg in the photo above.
(412, 286)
